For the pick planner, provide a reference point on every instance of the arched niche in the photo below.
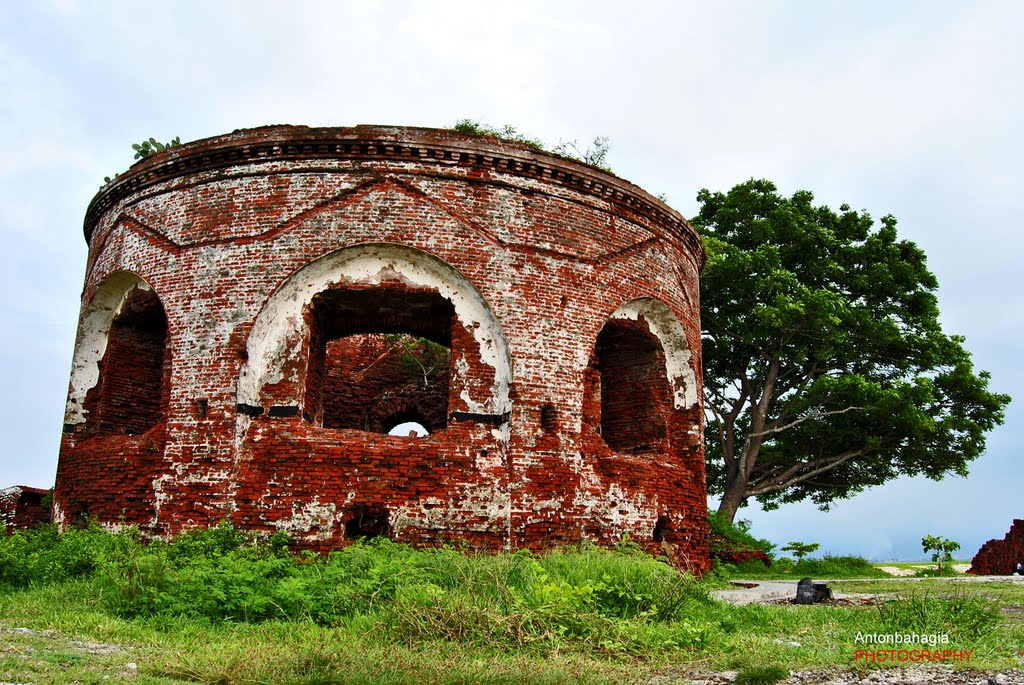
(642, 358)
(121, 360)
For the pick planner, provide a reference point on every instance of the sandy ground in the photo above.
(902, 571)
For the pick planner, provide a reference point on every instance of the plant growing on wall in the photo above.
(595, 154)
(151, 147)
(421, 357)
(145, 149)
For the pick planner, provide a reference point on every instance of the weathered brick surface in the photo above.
(23, 507)
(1000, 557)
(283, 259)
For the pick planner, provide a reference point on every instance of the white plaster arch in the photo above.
(278, 332)
(669, 331)
(93, 334)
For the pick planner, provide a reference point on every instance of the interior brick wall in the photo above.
(574, 423)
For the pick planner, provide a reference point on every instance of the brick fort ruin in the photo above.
(261, 309)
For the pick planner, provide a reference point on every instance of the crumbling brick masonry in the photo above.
(261, 309)
(1000, 557)
(22, 507)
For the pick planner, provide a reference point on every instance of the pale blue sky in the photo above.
(911, 108)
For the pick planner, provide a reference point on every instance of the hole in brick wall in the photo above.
(379, 358)
(201, 407)
(548, 418)
(407, 428)
(660, 527)
(80, 519)
(128, 396)
(367, 521)
(635, 395)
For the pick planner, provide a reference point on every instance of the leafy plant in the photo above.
(595, 154)
(152, 146)
(420, 357)
(736, 533)
(506, 132)
(145, 149)
(942, 549)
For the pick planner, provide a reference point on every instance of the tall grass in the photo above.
(620, 601)
(218, 606)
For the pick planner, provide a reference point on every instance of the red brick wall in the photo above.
(550, 250)
(23, 507)
(1000, 557)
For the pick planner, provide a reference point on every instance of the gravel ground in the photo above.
(895, 676)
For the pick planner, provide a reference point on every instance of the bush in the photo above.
(620, 601)
(43, 555)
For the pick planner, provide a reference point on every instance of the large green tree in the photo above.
(826, 370)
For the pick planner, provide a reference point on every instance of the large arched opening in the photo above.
(121, 363)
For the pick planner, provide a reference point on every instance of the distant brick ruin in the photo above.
(23, 507)
(261, 309)
(1000, 557)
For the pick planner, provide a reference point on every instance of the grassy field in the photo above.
(214, 608)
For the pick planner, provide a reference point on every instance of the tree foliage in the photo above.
(826, 370)
(801, 549)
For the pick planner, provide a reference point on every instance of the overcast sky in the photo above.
(908, 108)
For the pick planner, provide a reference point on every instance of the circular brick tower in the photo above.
(264, 310)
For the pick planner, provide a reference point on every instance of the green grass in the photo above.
(216, 608)
(761, 675)
(826, 567)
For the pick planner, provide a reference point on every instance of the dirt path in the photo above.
(748, 591)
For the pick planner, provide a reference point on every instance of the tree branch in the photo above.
(788, 478)
(816, 415)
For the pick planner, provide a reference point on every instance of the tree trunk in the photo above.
(733, 499)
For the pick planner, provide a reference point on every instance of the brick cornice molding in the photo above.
(439, 147)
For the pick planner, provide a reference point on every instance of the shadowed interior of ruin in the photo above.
(379, 358)
(129, 395)
(635, 395)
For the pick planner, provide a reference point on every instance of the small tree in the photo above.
(941, 548)
(801, 549)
